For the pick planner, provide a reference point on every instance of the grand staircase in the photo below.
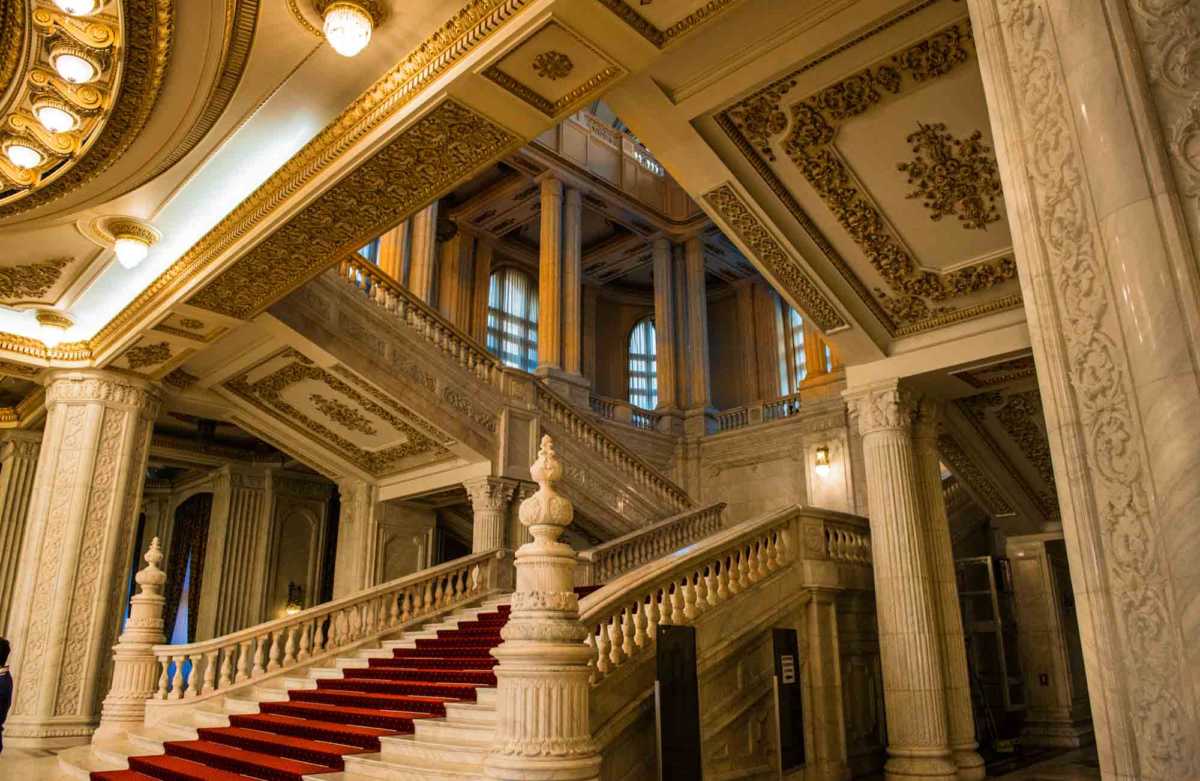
(408, 694)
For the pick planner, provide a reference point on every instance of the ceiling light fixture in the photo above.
(22, 155)
(78, 7)
(54, 325)
(74, 63)
(131, 240)
(54, 115)
(348, 27)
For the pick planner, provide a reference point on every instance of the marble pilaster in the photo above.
(485, 251)
(1056, 701)
(830, 761)
(909, 635)
(354, 560)
(235, 589)
(959, 712)
(700, 417)
(18, 468)
(76, 554)
(490, 497)
(572, 283)
(1109, 275)
(664, 326)
(422, 264)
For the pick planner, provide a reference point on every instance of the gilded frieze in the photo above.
(911, 298)
(267, 395)
(343, 414)
(662, 37)
(965, 469)
(145, 355)
(1017, 415)
(423, 160)
(998, 374)
(30, 281)
(737, 217)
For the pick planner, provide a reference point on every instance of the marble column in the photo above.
(550, 281)
(664, 326)
(572, 285)
(18, 468)
(543, 667)
(959, 713)
(77, 553)
(830, 760)
(701, 416)
(457, 278)
(422, 265)
(909, 636)
(1056, 701)
(484, 253)
(242, 510)
(354, 560)
(747, 341)
(393, 250)
(490, 497)
(1097, 160)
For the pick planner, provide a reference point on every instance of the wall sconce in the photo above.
(821, 461)
(295, 599)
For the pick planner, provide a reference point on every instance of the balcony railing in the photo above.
(622, 411)
(758, 412)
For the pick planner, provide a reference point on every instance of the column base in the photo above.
(970, 765)
(1057, 734)
(53, 736)
(522, 768)
(914, 768)
(700, 422)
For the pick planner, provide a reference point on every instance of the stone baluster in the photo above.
(135, 668)
(544, 659)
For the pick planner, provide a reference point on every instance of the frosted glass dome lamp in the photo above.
(54, 116)
(131, 240)
(348, 28)
(52, 327)
(75, 64)
(78, 7)
(23, 155)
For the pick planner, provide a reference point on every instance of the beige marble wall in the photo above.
(18, 468)
(1091, 139)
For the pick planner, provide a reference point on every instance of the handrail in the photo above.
(758, 412)
(622, 616)
(621, 411)
(385, 291)
(231, 660)
(609, 559)
(563, 413)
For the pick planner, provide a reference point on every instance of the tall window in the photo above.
(793, 365)
(370, 252)
(512, 318)
(643, 366)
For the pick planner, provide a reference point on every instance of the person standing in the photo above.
(6, 687)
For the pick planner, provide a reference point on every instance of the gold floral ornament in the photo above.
(32, 280)
(553, 65)
(955, 176)
(147, 355)
(343, 414)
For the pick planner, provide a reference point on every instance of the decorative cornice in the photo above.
(662, 38)
(733, 211)
(965, 470)
(460, 35)
(516, 88)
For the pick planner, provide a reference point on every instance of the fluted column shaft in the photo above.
(960, 716)
(664, 325)
(572, 282)
(909, 635)
(490, 497)
(423, 253)
(18, 468)
(246, 506)
(825, 681)
(699, 380)
(354, 561)
(550, 276)
(76, 555)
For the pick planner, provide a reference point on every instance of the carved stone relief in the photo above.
(31, 281)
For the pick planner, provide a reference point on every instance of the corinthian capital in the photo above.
(883, 408)
(490, 493)
(104, 387)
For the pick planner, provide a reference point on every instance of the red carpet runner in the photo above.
(313, 729)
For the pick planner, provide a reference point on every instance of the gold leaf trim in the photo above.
(147, 355)
(516, 88)
(661, 38)
(30, 281)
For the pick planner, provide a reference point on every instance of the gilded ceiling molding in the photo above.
(661, 38)
(23, 370)
(916, 299)
(143, 44)
(998, 374)
(734, 213)
(425, 159)
(266, 395)
(12, 44)
(31, 281)
(975, 409)
(516, 88)
(342, 414)
(1018, 415)
(179, 379)
(965, 470)
(955, 177)
(460, 35)
(145, 355)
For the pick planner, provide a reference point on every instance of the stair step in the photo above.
(237, 760)
(471, 711)
(412, 751)
(121, 775)
(299, 748)
(394, 720)
(372, 767)
(405, 702)
(463, 733)
(485, 677)
(171, 768)
(346, 734)
(460, 691)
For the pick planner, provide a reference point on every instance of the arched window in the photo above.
(793, 365)
(512, 318)
(643, 366)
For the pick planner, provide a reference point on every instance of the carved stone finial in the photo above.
(151, 577)
(547, 512)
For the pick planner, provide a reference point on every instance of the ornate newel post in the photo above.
(135, 670)
(542, 731)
